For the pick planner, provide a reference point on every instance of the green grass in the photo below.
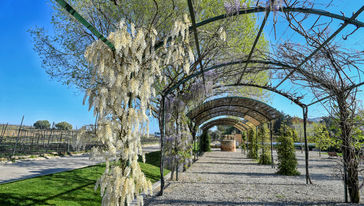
(69, 188)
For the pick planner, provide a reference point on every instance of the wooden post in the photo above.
(17, 138)
(305, 111)
(162, 128)
(3, 132)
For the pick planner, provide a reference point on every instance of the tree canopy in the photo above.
(63, 126)
(42, 124)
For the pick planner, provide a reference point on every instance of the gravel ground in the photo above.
(228, 178)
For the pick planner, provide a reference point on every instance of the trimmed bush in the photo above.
(252, 145)
(287, 162)
(205, 142)
(265, 158)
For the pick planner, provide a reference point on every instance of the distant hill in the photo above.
(296, 120)
(316, 119)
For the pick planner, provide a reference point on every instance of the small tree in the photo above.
(42, 124)
(286, 153)
(63, 126)
(252, 149)
(265, 158)
(205, 141)
(322, 138)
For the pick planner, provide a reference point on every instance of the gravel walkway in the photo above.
(228, 178)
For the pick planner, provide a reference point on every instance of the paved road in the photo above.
(32, 168)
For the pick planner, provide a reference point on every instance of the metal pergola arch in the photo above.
(296, 100)
(238, 124)
(243, 106)
(241, 112)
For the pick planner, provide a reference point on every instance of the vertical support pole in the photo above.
(262, 142)
(161, 142)
(194, 143)
(345, 178)
(17, 138)
(271, 141)
(305, 111)
(256, 142)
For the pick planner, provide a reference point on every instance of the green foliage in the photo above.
(321, 137)
(265, 156)
(358, 130)
(69, 188)
(252, 145)
(215, 135)
(63, 126)
(205, 141)
(278, 123)
(286, 153)
(226, 130)
(42, 124)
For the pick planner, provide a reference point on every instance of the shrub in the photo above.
(205, 141)
(252, 145)
(287, 162)
(265, 158)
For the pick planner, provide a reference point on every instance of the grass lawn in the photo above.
(69, 188)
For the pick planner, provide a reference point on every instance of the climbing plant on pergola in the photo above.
(294, 65)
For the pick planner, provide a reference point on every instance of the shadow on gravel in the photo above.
(228, 163)
(202, 202)
(241, 183)
(251, 174)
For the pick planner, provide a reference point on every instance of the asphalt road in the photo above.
(31, 168)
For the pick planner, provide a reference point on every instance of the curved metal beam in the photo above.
(193, 75)
(83, 21)
(231, 120)
(187, 78)
(295, 100)
(233, 105)
(239, 127)
(229, 113)
(284, 9)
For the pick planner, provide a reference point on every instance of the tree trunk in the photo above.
(350, 161)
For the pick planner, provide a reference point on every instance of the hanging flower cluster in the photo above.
(234, 6)
(124, 79)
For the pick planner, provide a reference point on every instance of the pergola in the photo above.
(238, 124)
(249, 109)
(254, 111)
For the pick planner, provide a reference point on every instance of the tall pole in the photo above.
(305, 111)
(161, 142)
(256, 142)
(271, 141)
(17, 138)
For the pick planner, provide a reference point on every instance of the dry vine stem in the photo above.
(124, 80)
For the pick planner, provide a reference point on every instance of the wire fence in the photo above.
(26, 140)
(17, 141)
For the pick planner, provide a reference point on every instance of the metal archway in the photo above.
(253, 111)
(238, 124)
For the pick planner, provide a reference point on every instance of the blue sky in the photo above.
(25, 88)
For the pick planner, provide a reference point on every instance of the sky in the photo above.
(26, 89)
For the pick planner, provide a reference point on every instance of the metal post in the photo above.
(262, 140)
(345, 178)
(256, 142)
(161, 142)
(305, 111)
(271, 141)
